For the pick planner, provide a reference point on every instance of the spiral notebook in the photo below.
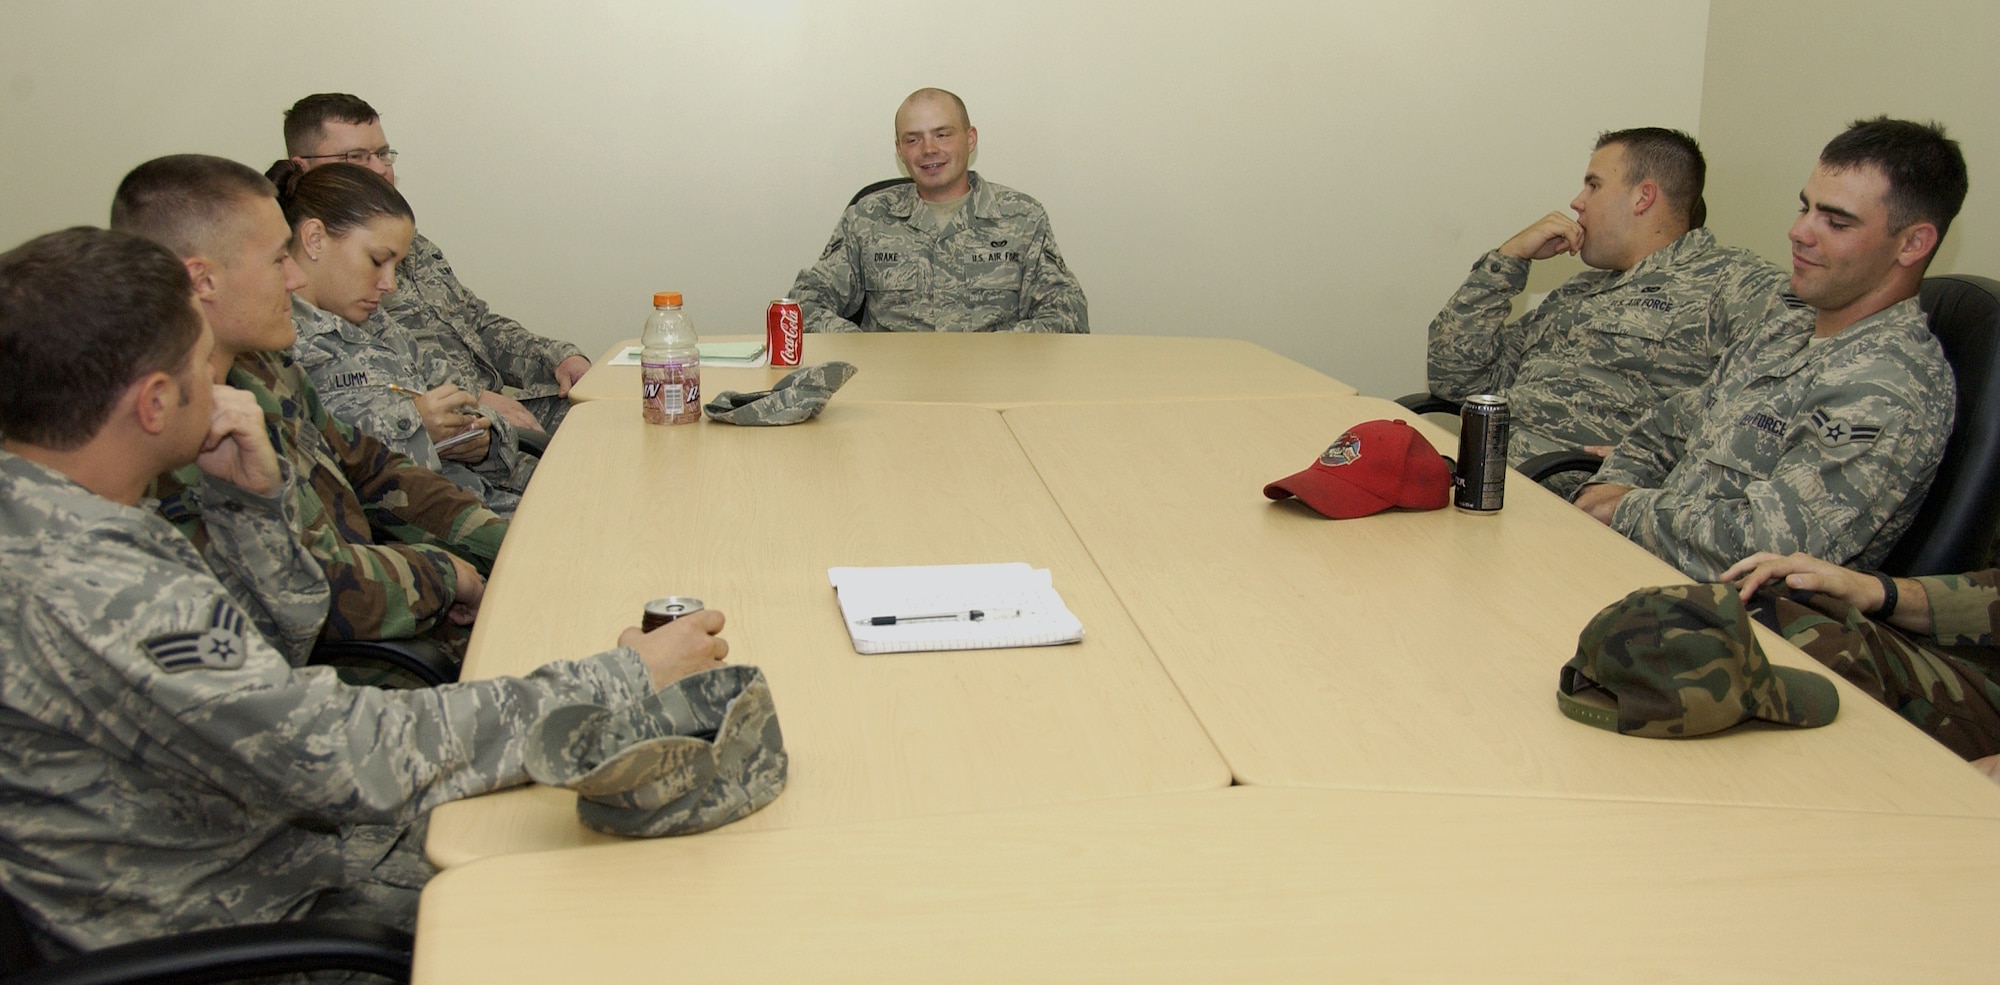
(952, 607)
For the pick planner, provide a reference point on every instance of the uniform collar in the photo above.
(26, 483)
(1686, 247)
(980, 201)
(313, 321)
(1899, 317)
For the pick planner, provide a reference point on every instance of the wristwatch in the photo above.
(1888, 606)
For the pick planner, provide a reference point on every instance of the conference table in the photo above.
(1247, 884)
(1415, 650)
(1408, 802)
(1003, 369)
(749, 520)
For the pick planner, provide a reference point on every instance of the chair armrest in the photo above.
(531, 442)
(1427, 403)
(418, 658)
(235, 953)
(1557, 462)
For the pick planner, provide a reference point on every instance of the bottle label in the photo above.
(670, 392)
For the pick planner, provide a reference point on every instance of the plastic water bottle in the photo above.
(670, 364)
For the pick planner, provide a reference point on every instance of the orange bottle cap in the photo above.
(667, 299)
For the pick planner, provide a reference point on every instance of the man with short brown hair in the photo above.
(523, 376)
(947, 252)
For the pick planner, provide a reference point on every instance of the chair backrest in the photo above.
(873, 187)
(1955, 528)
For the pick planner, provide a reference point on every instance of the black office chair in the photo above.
(532, 442)
(1427, 403)
(200, 957)
(420, 660)
(870, 189)
(1956, 526)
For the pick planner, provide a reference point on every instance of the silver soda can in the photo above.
(660, 612)
(1480, 485)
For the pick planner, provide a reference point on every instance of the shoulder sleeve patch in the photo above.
(218, 646)
(832, 246)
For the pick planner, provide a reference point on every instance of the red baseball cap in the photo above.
(1373, 466)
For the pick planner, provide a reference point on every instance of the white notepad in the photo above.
(712, 354)
(1016, 605)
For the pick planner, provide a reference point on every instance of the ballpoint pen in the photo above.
(967, 615)
(458, 439)
(405, 391)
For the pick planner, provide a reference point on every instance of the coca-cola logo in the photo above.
(786, 328)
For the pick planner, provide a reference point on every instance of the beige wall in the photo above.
(1785, 76)
(1314, 176)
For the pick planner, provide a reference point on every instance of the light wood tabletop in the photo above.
(1247, 884)
(749, 520)
(1003, 369)
(1415, 650)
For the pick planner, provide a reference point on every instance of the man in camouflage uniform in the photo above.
(403, 547)
(1611, 343)
(353, 367)
(522, 376)
(168, 770)
(1932, 652)
(949, 252)
(1821, 433)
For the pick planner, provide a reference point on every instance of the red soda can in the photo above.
(784, 335)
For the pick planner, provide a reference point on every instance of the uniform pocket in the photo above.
(891, 270)
(1752, 444)
(1657, 337)
(993, 280)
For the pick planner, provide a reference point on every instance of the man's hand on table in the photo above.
(1600, 500)
(686, 646)
(569, 371)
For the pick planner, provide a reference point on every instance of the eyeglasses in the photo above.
(385, 155)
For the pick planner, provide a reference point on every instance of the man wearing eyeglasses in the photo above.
(522, 376)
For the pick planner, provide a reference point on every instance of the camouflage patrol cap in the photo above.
(1680, 661)
(800, 396)
(697, 754)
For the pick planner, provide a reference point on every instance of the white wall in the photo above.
(1785, 76)
(1313, 176)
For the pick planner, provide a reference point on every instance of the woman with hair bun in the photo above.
(349, 229)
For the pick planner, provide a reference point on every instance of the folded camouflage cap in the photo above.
(800, 396)
(1680, 661)
(697, 754)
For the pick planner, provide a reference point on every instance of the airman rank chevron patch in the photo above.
(1834, 433)
(218, 647)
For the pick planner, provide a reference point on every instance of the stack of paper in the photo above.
(732, 353)
(712, 354)
(952, 607)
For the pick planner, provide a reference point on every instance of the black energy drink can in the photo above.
(1480, 485)
(660, 612)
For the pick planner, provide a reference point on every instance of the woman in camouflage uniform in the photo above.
(349, 229)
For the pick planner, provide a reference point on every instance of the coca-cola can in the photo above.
(784, 335)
